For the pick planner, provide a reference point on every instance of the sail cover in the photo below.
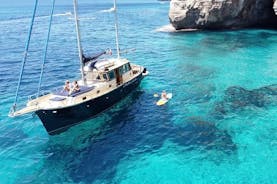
(92, 58)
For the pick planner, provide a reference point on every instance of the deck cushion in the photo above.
(83, 89)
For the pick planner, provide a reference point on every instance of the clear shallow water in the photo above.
(220, 126)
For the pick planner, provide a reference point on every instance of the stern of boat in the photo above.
(137, 69)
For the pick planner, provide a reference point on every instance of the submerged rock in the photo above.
(237, 98)
(221, 14)
(124, 137)
(199, 133)
(11, 137)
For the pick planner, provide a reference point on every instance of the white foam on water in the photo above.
(63, 14)
(108, 10)
(170, 29)
(166, 28)
(23, 19)
(56, 15)
(83, 18)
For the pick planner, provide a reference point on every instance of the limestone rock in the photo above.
(221, 14)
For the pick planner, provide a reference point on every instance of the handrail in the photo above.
(34, 96)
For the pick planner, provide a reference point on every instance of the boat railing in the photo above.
(56, 90)
(137, 69)
(14, 112)
(34, 96)
(11, 112)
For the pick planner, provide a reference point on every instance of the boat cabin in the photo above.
(108, 70)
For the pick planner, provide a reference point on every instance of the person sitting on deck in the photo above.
(66, 86)
(75, 88)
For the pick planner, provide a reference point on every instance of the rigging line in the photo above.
(46, 47)
(25, 54)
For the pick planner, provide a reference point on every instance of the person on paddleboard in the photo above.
(164, 95)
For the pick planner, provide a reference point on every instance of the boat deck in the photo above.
(61, 99)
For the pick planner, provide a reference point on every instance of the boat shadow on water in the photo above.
(132, 128)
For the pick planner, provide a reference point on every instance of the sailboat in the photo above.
(104, 82)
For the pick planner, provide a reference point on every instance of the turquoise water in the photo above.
(220, 126)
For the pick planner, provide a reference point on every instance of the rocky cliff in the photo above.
(222, 14)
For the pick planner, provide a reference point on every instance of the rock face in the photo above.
(222, 14)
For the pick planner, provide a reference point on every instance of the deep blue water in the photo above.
(220, 126)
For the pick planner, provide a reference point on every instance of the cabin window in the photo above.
(105, 76)
(125, 68)
(121, 70)
(129, 66)
(111, 75)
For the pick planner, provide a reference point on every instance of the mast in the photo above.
(116, 30)
(79, 40)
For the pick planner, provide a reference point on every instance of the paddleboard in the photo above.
(163, 101)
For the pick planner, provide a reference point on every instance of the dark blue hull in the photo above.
(58, 120)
